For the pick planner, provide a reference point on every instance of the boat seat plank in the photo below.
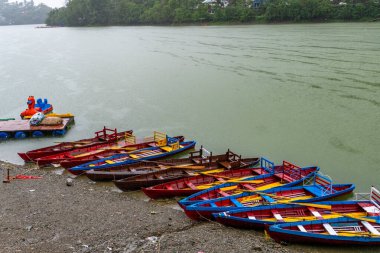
(249, 187)
(224, 194)
(267, 198)
(225, 164)
(169, 187)
(370, 228)
(191, 185)
(329, 229)
(277, 215)
(236, 202)
(167, 148)
(315, 213)
(302, 228)
(369, 208)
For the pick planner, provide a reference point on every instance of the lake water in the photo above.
(308, 94)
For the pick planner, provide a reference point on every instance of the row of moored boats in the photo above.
(291, 203)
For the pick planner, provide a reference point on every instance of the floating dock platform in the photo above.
(20, 129)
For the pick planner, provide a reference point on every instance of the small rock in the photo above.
(69, 181)
(29, 228)
(152, 239)
(153, 212)
(257, 248)
(31, 240)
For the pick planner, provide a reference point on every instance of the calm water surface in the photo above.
(308, 94)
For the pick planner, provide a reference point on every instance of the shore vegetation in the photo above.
(171, 12)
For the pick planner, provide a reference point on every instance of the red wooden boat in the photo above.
(99, 151)
(103, 136)
(229, 160)
(191, 185)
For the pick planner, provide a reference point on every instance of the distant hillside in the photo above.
(167, 12)
(21, 13)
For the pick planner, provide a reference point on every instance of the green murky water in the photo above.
(308, 94)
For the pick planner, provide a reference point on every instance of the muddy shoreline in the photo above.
(46, 215)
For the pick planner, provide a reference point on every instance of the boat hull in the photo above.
(32, 155)
(65, 156)
(208, 212)
(281, 233)
(81, 169)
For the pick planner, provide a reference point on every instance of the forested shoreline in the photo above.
(22, 12)
(169, 12)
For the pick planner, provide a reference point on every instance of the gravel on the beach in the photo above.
(46, 215)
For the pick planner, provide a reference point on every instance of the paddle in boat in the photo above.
(200, 158)
(316, 188)
(258, 217)
(105, 135)
(169, 146)
(192, 185)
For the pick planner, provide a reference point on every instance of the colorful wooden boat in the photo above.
(185, 170)
(229, 160)
(339, 231)
(195, 155)
(103, 136)
(161, 176)
(258, 183)
(102, 150)
(192, 185)
(258, 217)
(306, 193)
(121, 160)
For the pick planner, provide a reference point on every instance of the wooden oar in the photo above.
(357, 233)
(289, 200)
(355, 217)
(120, 148)
(73, 142)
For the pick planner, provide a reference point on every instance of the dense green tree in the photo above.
(157, 12)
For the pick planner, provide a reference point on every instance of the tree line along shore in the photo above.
(169, 12)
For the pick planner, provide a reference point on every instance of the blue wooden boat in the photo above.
(257, 183)
(258, 217)
(339, 231)
(319, 190)
(172, 147)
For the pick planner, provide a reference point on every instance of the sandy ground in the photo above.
(45, 215)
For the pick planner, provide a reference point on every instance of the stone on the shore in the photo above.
(69, 181)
